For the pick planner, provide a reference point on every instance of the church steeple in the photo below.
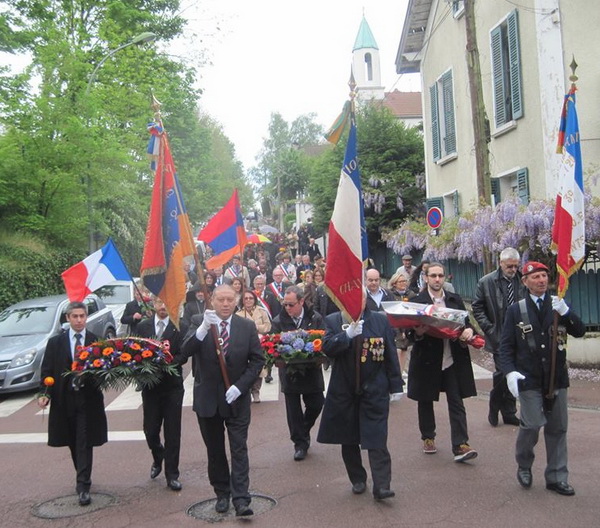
(365, 64)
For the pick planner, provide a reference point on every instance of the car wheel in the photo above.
(110, 333)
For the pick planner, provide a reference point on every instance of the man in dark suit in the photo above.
(525, 359)
(134, 312)
(219, 407)
(312, 250)
(375, 293)
(77, 418)
(277, 289)
(307, 385)
(438, 365)
(162, 403)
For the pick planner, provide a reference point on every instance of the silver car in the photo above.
(25, 328)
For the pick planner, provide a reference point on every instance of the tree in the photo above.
(390, 157)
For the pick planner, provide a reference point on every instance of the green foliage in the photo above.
(29, 269)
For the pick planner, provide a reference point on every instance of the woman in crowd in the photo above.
(398, 285)
(251, 310)
(309, 288)
(237, 283)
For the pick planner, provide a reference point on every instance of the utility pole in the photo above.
(481, 128)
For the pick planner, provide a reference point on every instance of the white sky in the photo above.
(288, 57)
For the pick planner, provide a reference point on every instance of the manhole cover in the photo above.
(205, 510)
(68, 506)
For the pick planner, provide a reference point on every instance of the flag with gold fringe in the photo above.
(169, 237)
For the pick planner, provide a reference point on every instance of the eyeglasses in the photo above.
(289, 305)
(511, 266)
(436, 275)
(248, 298)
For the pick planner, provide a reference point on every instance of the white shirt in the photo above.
(156, 327)
(73, 340)
(377, 297)
(447, 359)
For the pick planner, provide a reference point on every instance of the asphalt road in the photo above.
(431, 490)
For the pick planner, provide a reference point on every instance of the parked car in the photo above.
(25, 328)
(116, 295)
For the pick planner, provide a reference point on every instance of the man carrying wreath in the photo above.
(307, 385)
(77, 417)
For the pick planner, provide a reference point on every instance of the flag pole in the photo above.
(561, 291)
(156, 104)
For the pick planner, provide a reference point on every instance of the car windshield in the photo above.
(114, 294)
(24, 321)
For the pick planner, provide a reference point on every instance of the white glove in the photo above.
(559, 305)
(512, 380)
(210, 318)
(232, 394)
(354, 329)
(396, 396)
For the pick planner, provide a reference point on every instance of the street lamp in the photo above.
(147, 36)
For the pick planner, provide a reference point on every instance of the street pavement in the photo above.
(431, 490)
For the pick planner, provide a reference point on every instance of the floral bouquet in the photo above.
(116, 363)
(296, 349)
(441, 322)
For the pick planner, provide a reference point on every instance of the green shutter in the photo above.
(437, 201)
(514, 58)
(495, 182)
(455, 203)
(498, 77)
(448, 102)
(523, 186)
(435, 123)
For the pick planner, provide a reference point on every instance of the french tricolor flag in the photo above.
(99, 269)
(348, 249)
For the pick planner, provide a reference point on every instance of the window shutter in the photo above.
(437, 201)
(495, 190)
(435, 123)
(455, 203)
(498, 77)
(514, 57)
(523, 186)
(448, 101)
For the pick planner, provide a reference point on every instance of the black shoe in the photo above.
(222, 505)
(562, 488)
(493, 417)
(524, 477)
(300, 454)
(174, 484)
(359, 487)
(268, 379)
(155, 470)
(243, 510)
(511, 420)
(84, 498)
(383, 494)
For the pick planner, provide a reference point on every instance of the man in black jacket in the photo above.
(307, 385)
(77, 417)
(134, 312)
(525, 359)
(496, 291)
(375, 293)
(162, 403)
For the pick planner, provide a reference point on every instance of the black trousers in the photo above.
(81, 451)
(162, 410)
(456, 411)
(379, 460)
(300, 421)
(232, 484)
(501, 398)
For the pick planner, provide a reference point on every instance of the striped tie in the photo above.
(510, 293)
(224, 337)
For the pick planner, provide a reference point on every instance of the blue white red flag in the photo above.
(348, 249)
(168, 235)
(568, 231)
(225, 233)
(98, 269)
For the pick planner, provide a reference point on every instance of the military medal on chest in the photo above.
(375, 346)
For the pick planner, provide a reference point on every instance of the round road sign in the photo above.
(434, 217)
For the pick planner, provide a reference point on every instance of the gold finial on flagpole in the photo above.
(352, 85)
(573, 78)
(155, 104)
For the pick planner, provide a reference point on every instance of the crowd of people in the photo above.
(229, 308)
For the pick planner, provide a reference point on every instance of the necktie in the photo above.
(297, 321)
(77, 341)
(224, 337)
(161, 329)
(540, 304)
(510, 293)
